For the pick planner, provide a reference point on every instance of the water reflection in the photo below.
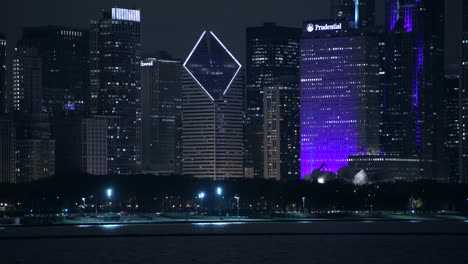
(217, 223)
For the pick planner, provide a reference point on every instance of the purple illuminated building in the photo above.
(414, 85)
(340, 95)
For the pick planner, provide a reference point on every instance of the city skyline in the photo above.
(362, 90)
(160, 34)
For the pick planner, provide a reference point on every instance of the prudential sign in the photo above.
(323, 27)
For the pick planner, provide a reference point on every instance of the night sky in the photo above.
(175, 25)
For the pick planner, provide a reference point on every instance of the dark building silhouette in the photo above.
(161, 99)
(64, 54)
(272, 59)
(35, 150)
(464, 91)
(451, 117)
(7, 150)
(115, 85)
(3, 74)
(81, 145)
(414, 83)
(212, 111)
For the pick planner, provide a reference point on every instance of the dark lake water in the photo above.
(298, 242)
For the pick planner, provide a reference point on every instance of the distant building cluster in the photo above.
(338, 98)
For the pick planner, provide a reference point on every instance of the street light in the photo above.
(109, 196)
(201, 196)
(237, 198)
(219, 192)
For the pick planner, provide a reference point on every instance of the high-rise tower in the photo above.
(115, 85)
(161, 96)
(212, 111)
(340, 97)
(64, 54)
(272, 59)
(464, 92)
(414, 82)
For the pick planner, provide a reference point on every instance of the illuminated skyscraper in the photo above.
(64, 54)
(212, 111)
(3, 87)
(161, 96)
(281, 132)
(464, 91)
(272, 59)
(27, 92)
(115, 84)
(340, 97)
(452, 121)
(414, 82)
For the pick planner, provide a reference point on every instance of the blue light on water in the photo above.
(110, 226)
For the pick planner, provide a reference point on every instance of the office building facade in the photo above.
(3, 74)
(81, 146)
(212, 111)
(27, 92)
(281, 133)
(339, 96)
(452, 120)
(414, 84)
(35, 150)
(161, 98)
(464, 91)
(7, 150)
(64, 54)
(272, 59)
(115, 84)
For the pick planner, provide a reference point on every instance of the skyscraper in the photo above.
(452, 120)
(81, 145)
(7, 151)
(212, 111)
(64, 54)
(272, 59)
(27, 92)
(161, 98)
(35, 150)
(3, 87)
(281, 132)
(464, 91)
(115, 84)
(358, 13)
(414, 81)
(340, 97)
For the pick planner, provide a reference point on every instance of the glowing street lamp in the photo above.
(201, 196)
(109, 193)
(219, 192)
(109, 197)
(237, 198)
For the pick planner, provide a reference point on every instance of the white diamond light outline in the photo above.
(232, 56)
(224, 47)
